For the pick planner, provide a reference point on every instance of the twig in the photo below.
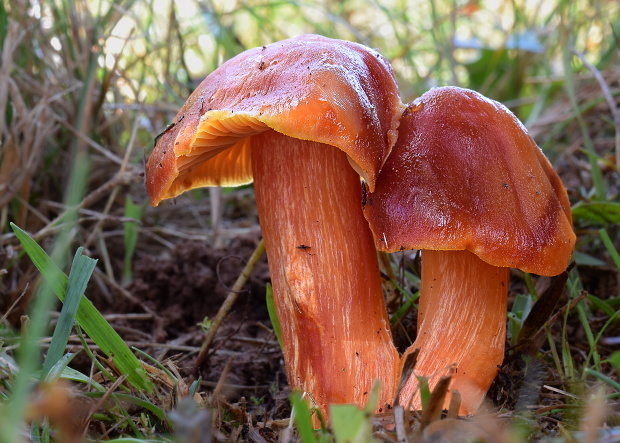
(100, 403)
(228, 303)
(399, 424)
(6, 314)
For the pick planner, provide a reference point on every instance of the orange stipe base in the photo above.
(461, 324)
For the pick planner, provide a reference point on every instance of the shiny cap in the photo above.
(309, 87)
(465, 174)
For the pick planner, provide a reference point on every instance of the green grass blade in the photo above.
(425, 391)
(615, 360)
(594, 346)
(273, 315)
(602, 305)
(613, 252)
(567, 358)
(583, 317)
(140, 402)
(81, 271)
(350, 424)
(4, 24)
(410, 298)
(605, 379)
(76, 376)
(56, 371)
(87, 316)
(597, 176)
(302, 418)
(604, 212)
(130, 235)
(91, 356)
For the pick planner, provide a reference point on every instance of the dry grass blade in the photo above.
(455, 404)
(101, 402)
(434, 407)
(24, 139)
(120, 179)
(407, 372)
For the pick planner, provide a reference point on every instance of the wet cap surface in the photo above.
(465, 174)
(309, 87)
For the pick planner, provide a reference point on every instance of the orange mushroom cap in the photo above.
(309, 87)
(465, 174)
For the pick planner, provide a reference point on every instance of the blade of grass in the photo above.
(601, 304)
(130, 235)
(529, 282)
(350, 423)
(593, 347)
(4, 24)
(40, 431)
(597, 175)
(89, 318)
(80, 274)
(74, 375)
(302, 417)
(55, 372)
(613, 252)
(554, 353)
(583, 317)
(405, 307)
(193, 388)
(92, 357)
(155, 362)
(273, 315)
(605, 379)
(29, 362)
(567, 358)
(425, 391)
(614, 359)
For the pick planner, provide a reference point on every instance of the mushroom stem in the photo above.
(461, 322)
(327, 289)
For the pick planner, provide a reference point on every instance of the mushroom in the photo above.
(466, 184)
(303, 118)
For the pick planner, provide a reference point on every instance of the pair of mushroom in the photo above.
(453, 173)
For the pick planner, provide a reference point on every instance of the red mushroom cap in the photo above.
(309, 87)
(465, 174)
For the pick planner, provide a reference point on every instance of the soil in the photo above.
(187, 286)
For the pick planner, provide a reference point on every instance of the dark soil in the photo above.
(187, 285)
